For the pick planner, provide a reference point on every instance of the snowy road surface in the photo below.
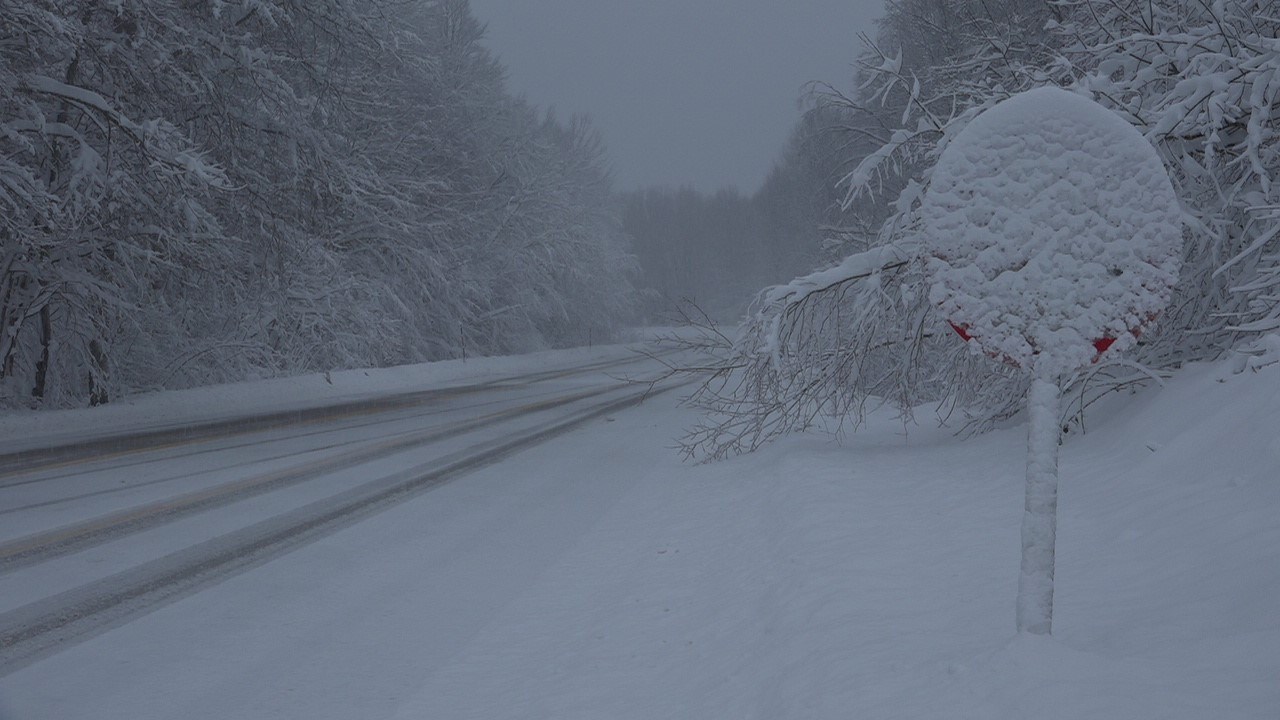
(101, 531)
(596, 576)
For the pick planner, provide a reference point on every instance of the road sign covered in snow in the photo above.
(1055, 233)
(1054, 236)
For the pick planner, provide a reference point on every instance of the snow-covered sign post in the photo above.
(1054, 236)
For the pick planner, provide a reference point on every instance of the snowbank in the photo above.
(21, 429)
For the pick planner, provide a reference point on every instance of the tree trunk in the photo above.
(8, 325)
(1040, 516)
(98, 394)
(42, 365)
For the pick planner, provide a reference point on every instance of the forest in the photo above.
(202, 192)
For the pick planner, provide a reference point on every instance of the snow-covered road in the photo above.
(597, 576)
(102, 531)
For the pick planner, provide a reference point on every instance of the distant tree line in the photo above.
(1201, 80)
(196, 192)
(711, 252)
(694, 249)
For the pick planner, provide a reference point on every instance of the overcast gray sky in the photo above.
(699, 92)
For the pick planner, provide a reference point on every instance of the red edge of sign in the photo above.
(1102, 344)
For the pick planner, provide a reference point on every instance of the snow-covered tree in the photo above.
(196, 192)
(101, 194)
(1199, 80)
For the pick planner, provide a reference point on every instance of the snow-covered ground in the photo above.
(597, 576)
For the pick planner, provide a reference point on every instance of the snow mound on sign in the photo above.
(1052, 224)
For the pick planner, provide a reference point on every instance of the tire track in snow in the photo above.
(39, 547)
(334, 445)
(42, 627)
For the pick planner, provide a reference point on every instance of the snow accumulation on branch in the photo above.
(84, 97)
(787, 311)
(815, 348)
(855, 267)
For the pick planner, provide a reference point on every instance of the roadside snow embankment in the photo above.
(21, 429)
(877, 580)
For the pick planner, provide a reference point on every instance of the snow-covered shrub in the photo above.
(1201, 80)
